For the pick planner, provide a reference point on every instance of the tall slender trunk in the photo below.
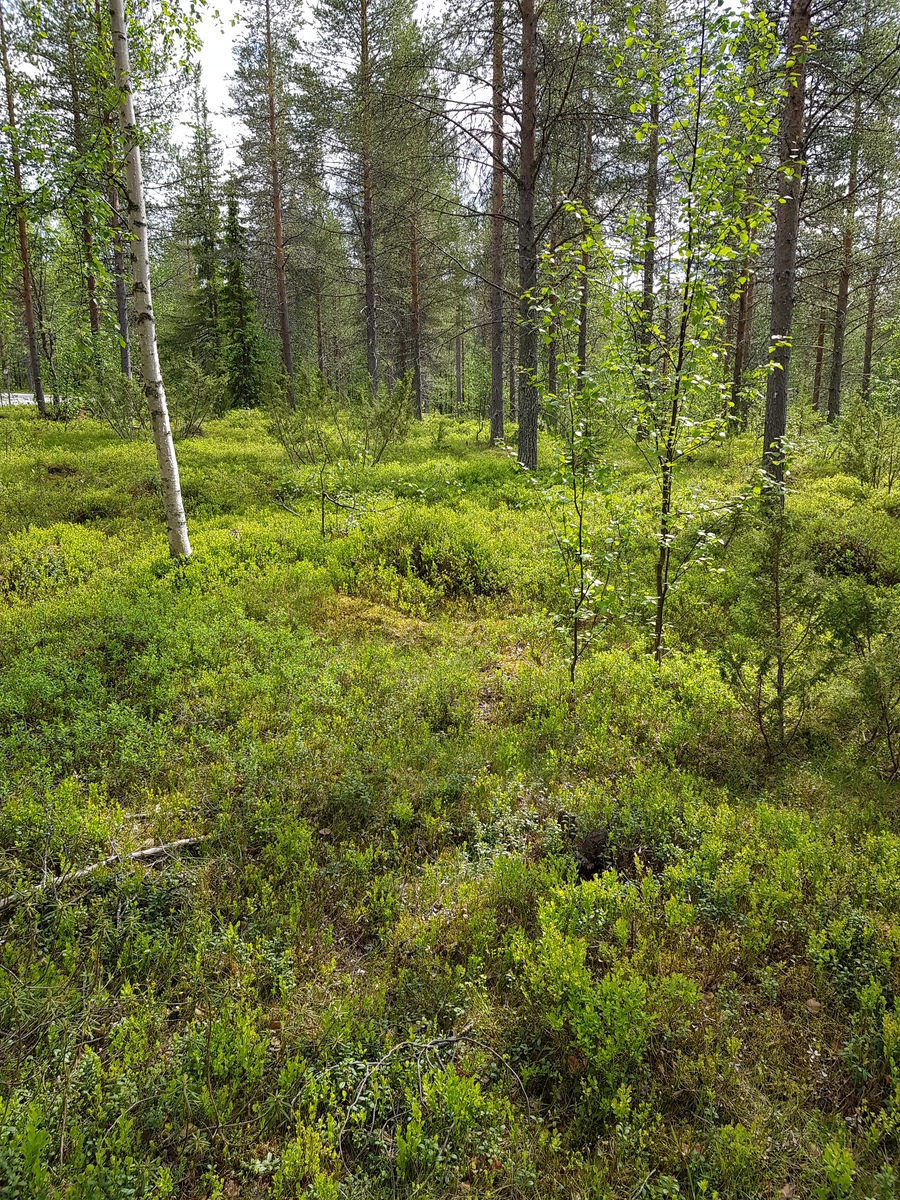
(497, 433)
(552, 362)
(368, 204)
(287, 356)
(585, 253)
(649, 274)
(820, 358)
(179, 544)
(872, 298)
(787, 226)
(459, 361)
(118, 256)
(414, 327)
(742, 344)
(513, 372)
(87, 236)
(24, 255)
(320, 338)
(528, 169)
(843, 296)
(648, 283)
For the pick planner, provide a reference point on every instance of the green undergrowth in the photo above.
(373, 970)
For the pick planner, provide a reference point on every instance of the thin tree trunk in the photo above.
(872, 298)
(585, 255)
(24, 255)
(843, 296)
(552, 364)
(368, 207)
(462, 378)
(787, 226)
(87, 237)
(497, 432)
(179, 545)
(513, 408)
(320, 339)
(741, 344)
(729, 348)
(820, 358)
(648, 283)
(118, 259)
(458, 372)
(414, 322)
(528, 168)
(287, 356)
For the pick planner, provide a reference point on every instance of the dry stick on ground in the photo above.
(421, 1048)
(150, 852)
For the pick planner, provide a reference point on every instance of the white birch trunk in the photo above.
(176, 525)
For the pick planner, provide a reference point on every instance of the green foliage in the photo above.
(869, 440)
(243, 352)
(382, 970)
(193, 399)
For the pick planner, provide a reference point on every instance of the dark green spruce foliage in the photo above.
(243, 351)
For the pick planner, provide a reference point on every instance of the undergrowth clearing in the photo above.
(379, 973)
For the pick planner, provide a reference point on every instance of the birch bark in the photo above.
(176, 524)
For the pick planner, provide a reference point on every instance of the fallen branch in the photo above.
(71, 877)
(420, 1049)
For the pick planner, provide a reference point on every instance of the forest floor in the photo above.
(377, 972)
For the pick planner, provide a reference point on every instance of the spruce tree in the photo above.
(243, 345)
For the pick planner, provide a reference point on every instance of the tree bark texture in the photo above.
(820, 358)
(176, 524)
(497, 432)
(513, 372)
(872, 298)
(24, 255)
(87, 236)
(368, 203)
(118, 258)
(787, 226)
(742, 344)
(415, 330)
(528, 169)
(843, 296)
(287, 357)
(585, 256)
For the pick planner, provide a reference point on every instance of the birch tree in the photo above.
(176, 524)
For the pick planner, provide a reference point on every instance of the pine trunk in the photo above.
(179, 545)
(787, 226)
(872, 298)
(459, 387)
(528, 167)
(287, 356)
(87, 236)
(24, 254)
(513, 408)
(585, 257)
(320, 337)
(820, 358)
(497, 432)
(369, 208)
(843, 296)
(414, 323)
